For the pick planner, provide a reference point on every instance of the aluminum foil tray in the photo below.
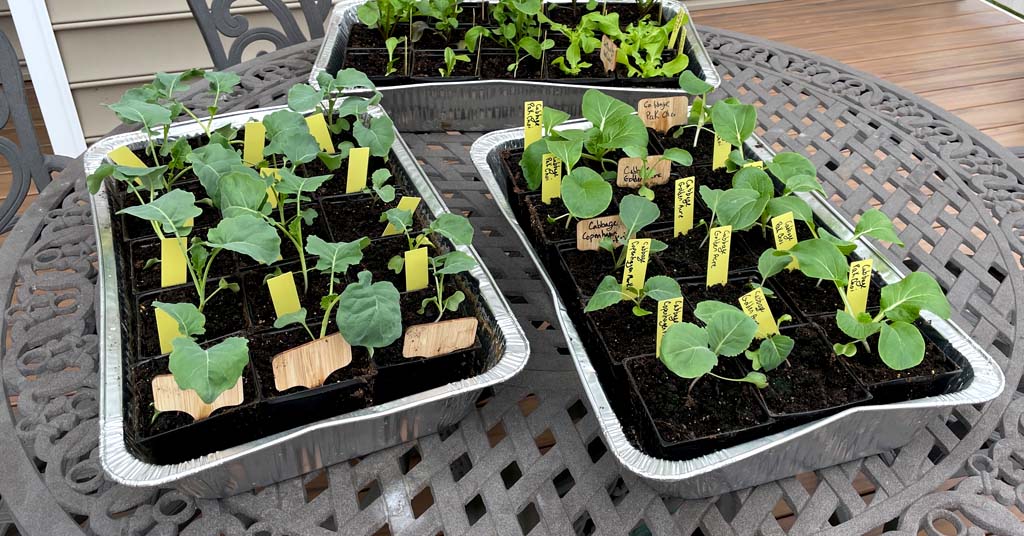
(486, 105)
(300, 450)
(849, 435)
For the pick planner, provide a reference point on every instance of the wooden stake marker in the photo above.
(439, 338)
(310, 364)
(168, 397)
(589, 232)
(663, 113)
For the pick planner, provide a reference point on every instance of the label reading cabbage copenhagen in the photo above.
(590, 232)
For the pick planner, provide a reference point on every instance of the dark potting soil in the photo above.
(376, 257)
(495, 66)
(264, 347)
(350, 218)
(588, 268)
(428, 64)
(869, 367)
(813, 298)
(337, 184)
(434, 40)
(541, 229)
(374, 62)
(714, 407)
(261, 308)
(687, 255)
(224, 315)
(702, 153)
(411, 303)
(730, 293)
(811, 379)
(716, 179)
(511, 161)
(146, 279)
(624, 334)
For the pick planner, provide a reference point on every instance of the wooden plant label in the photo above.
(533, 121)
(408, 204)
(756, 306)
(416, 269)
(630, 169)
(683, 215)
(859, 285)
(310, 364)
(718, 255)
(609, 53)
(255, 138)
(167, 329)
(358, 161)
(551, 183)
(663, 113)
(172, 261)
(638, 253)
(123, 156)
(784, 229)
(590, 232)
(283, 294)
(168, 397)
(670, 312)
(439, 338)
(721, 153)
(318, 128)
(757, 163)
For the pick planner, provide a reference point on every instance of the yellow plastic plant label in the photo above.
(758, 164)
(756, 306)
(123, 156)
(255, 139)
(408, 204)
(318, 128)
(416, 269)
(551, 183)
(721, 154)
(172, 261)
(859, 285)
(283, 294)
(533, 121)
(784, 229)
(271, 194)
(683, 219)
(358, 161)
(718, 255)
(670, 312)
(167, 330)
(638, 252)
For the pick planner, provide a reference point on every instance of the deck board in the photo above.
(963, 55)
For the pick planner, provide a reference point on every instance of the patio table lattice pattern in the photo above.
(530, 459)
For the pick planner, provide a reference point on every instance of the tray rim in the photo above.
(341, 9)
(985, 385)
(122, 466)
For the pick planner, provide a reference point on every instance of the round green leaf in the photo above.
(209, 371)
(821, 260)
(608, 293)
(585, 193)
(788, 164)
(369, 314)
(730, 332)
(905, 299)
(900, 345)
(684, 350)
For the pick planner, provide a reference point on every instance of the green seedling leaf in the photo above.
(396, 264)
(369, 314)
(241, 194)
(297, 317)
(336, 257)
(876, 224)
(148, 115)
(294, 185)
(289, 136)
(693, 85)
(379, 136)
(637, 213)
(451, 303)
(858, 327)
(773, 351)
(904, 300)
(758, 379)
(844, 246)
(755, 179)
(454, 227)
(352, 79)
(454, 263)
(599, 109)
(209, 371)
(847, 350)
(739, 207)
(821, 260)
(705, 310)
(684, 350)
(733, 122)
(222, 81)
(661, 287)
(770, 263)
(730, 332)
(191, 322)
(400, 219)
(303, 98)
(803, 183)
(781, 205)
(210, 162)
(585, 193)
(171, 210)
(552, 118)
(678, 156)
(786, 165)
(248, 235)
(532, 163)
(608, 293)
(900, 345)
(569, 152)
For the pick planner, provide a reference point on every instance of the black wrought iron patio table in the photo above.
(530, 459)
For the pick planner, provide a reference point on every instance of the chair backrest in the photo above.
(24, 157)
(216, 21)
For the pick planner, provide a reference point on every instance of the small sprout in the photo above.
(450, 59)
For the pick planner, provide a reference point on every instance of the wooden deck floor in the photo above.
(964, 55)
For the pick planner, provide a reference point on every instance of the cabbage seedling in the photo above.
(450, 59)
(585, 195)
(636, 213)
(610, 292)
(391, 45)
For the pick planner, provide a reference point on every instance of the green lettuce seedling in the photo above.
(385, 15)
(610, 292)
(391, 45)
(242, 233)
(450, 58)
(691, 351)
(208, 371)
(640, 50)
(445, 14)
(583, 39)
